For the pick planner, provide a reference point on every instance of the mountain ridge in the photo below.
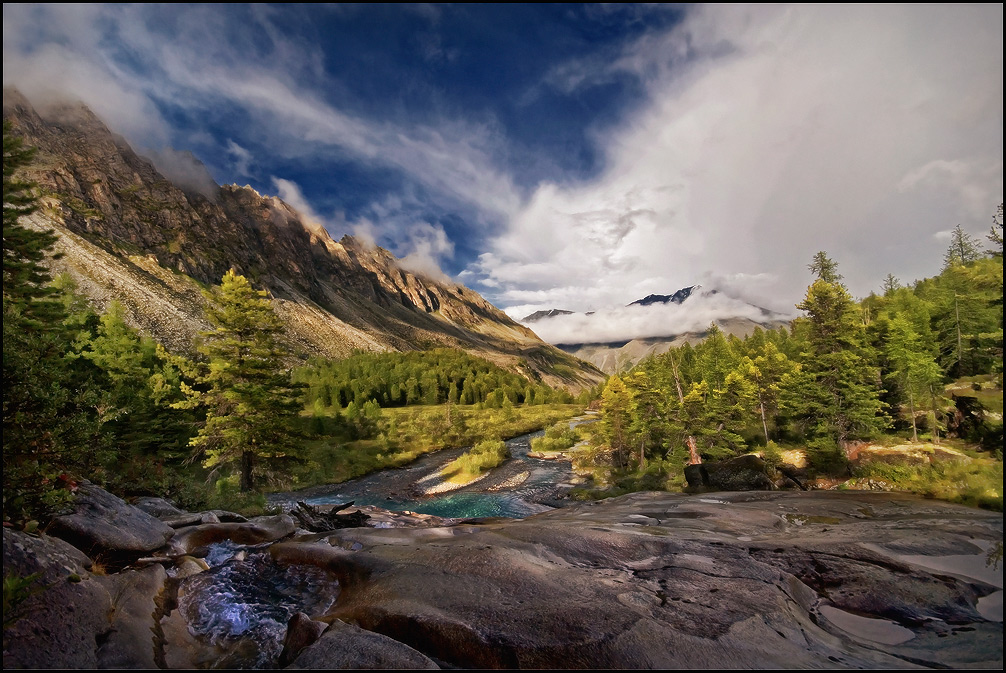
(129, 233)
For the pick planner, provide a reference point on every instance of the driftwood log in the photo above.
(316, 521)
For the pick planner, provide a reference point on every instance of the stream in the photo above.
(236, 613)
(520, 487)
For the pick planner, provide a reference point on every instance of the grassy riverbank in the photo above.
(405, 433)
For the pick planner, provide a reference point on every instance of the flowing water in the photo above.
(520, 487)
(238, 610)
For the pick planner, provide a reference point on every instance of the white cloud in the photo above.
(769, 134)
(242, 158)
(639, 322)
(291, 194)
(185, 170)
(428, 244)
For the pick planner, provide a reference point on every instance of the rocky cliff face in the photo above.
(128, 233)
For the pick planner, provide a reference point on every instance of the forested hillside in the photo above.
(87, 396)
(846, 372)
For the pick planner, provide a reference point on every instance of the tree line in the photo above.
(88, 396)
(845, 371)
(419, 377)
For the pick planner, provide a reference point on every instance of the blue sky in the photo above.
(564, 156)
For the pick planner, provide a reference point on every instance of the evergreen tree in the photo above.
(25, 276)
(834, 396)
(615, 419)
(50, 401)
(964, 249)
(890, 284)
(995, 235)
(915, 370)
(251, 404)
(824, 268)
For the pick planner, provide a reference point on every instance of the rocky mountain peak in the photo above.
(338, 296)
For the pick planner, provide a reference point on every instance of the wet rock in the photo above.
(300, 632)
(743, 473)
(223, 516)
(347, 646)
(259, 530)
(58, 617)
(659, 580)
(103, 525)
(188, 566)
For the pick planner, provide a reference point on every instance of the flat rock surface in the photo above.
(660, 580)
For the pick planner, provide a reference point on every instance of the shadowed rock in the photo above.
(103, 525)
(347, 646)
(261, 529)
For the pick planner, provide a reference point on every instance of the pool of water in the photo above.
(239, 609)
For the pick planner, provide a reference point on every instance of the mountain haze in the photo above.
(129, 233)
(614, 340)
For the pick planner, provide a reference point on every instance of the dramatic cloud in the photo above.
(291, 194)
(771, 133)
(639, 322)
(576, 158)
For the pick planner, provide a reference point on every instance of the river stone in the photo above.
(65, 612)
(261, 529)
(158, 507)
(103, 525)
(661, 580)
(347, 646)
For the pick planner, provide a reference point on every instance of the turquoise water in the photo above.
(400, 489)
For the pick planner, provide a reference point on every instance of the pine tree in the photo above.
(915, 370)
(252, 404)
(615, 419)
(824, 268)
(995, 234)
(891, 284)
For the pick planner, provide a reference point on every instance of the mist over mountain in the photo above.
(614, 339)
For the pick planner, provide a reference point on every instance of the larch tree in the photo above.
(834, 395)
(245, 387)
(963, 249)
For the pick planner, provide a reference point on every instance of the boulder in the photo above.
(300, 632)
(158, 507)
(103, 525)
(55, 620)
(743, 473)
(347, 646)
(130, 640)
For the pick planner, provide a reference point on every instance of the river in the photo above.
(520, 487)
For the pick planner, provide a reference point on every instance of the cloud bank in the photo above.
(625, 323)
(771, 133)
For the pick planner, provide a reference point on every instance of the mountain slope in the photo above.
(128, 233)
